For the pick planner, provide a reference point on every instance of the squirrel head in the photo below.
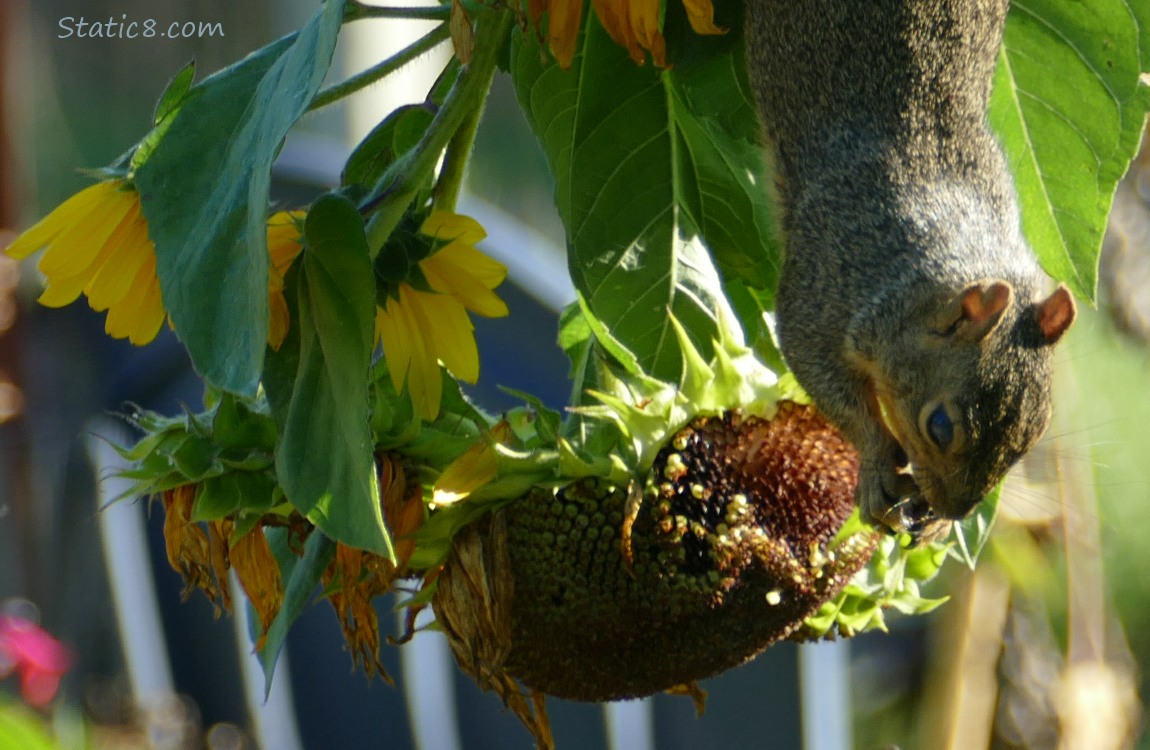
(969, 392)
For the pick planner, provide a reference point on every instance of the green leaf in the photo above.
(972, 533)
(325, 460)
(237, 428)
(398, 132)
(1070, 111)
(723, 167)
(204, 191)
(649, 175)
(300, 576)
(174, 97)
(195, 457)
(236, 490)
(175, 92)
(281, 366)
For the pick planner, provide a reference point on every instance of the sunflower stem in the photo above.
(455, 162)
(394, 192)
(358, 11)
(381, 70)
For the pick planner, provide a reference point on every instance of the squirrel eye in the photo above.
(940, 427)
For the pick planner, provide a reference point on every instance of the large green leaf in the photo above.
(650, 178)
(204, 192)
(301, 576)
(325, 461)
(1070, 111)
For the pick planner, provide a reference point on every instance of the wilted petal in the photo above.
(701, 14)
(616, 20)
(403, 508)
(535, 10)
(353, 580)
(259, 575)
(563, 29)
(187, 544)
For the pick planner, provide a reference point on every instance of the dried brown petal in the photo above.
(189, 548)
(259, 576)
(473, 598)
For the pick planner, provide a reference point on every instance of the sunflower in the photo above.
(284, 244)
(419, 329)
(98, 246)
(634, 24)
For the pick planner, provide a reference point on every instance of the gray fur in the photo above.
(895, 198)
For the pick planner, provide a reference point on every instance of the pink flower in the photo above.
(40, 659)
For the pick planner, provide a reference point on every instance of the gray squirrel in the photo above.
(909, 307)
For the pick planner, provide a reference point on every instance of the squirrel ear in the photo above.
(1056, 313)
(983, 306)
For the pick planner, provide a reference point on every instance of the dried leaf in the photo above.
(462, 32)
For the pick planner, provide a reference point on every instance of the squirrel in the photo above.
(909, 306)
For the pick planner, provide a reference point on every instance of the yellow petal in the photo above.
(449, 332)
(63, 216)
(466, 260)
(63, 290)
(466, 289)
(114, 278)
(701, 14)
(446, 227)
(78, 245)
(423, 379)
(120, 320)
(122, 317)
(279, 319)
(473, 469)
(396, 350)
(149, 316)
(284, 239)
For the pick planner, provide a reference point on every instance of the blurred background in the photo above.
(1045, 646)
